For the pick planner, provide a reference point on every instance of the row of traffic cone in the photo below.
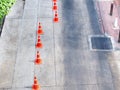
(39, 32)
(55, 9)
(38, 59)
(39, 44)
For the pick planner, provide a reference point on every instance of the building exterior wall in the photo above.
(117, 2)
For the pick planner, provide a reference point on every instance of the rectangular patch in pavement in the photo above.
(99, 42)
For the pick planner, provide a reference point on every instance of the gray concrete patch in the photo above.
(28, 32)
(82, 87)
(26, 54)
(45, 3)
(18, 89)
(44, 12)
(107, 86)
(59, 4)
(58, 29)
(76, 87)
(8, 51)
(30, 13)
(46, 73)
(32, 4)
(92, 87)
(45, 9)
(52, 88)
(22, 79)
(23, 61)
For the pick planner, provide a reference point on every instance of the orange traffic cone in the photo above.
(55, 6)
(39, 43)
(56, 19)
(38, 60)
(40, 31)
(54, 0)
(35, 86)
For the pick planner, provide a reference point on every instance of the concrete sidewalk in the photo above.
(107, 22)
(68, 62)
(18, 50)
(9, 44)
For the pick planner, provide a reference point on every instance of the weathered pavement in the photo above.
(68, 62)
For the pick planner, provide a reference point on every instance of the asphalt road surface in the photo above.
(69, 61)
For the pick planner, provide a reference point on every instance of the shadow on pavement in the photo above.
(93, 17)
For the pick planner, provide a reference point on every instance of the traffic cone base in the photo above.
(55, 8)
(39, 45)
(56, 19)
(35, 87)
(38, 61)
(40, 31)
